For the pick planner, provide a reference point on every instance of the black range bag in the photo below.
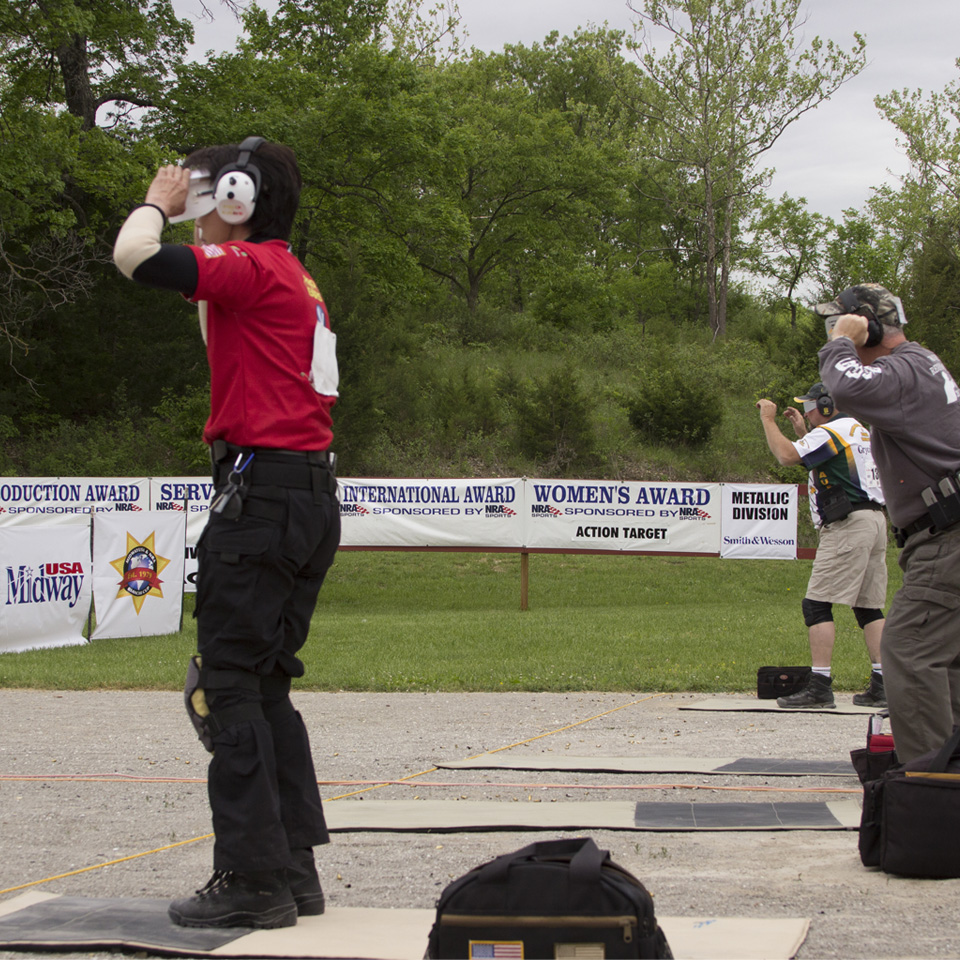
(773, 682)
(879, 755)
(558, 898)
(910, 823)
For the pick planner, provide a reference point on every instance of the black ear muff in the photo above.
(848, 300)
(825, 406)
(237, 185)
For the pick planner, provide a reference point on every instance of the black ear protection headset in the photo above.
(825, 405)
(237, 185)
(848, 300)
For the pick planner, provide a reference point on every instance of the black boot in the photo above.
(262, 899)
(305, 884)
(817, 693)
(874, 695)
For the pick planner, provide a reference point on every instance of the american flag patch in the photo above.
(211, 250)
(496, 949)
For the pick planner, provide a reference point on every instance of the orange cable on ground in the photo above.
(376, 785)
(97, 866)
(459, 784)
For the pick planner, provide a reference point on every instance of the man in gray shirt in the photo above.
(913, 406)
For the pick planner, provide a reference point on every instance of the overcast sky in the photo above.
(834, 155)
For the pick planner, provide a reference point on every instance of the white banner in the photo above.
(759, 521)
(612, 515)
(431, 513)
(46, 585)
(191, 497)
(69, 499)
(138, 573)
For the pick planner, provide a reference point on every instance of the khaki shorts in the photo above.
(851, 562)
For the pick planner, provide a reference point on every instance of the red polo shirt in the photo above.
(262, 311)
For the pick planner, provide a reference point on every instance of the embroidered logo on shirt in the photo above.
(312, 288)
(211, 250)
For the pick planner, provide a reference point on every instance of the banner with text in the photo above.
(431, 513)
(629, 515)
(46, 585)
(759, 521)
(69, 499)
(190, 496)
(138, 573)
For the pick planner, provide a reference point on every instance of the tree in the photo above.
(788, 246)
(523, 180)
(925, 213)
(862, 249)
(736, 75)
(84, 54)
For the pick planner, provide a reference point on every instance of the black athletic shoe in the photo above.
(229, 899)
(874, 695)
(305, 884)
(817, 693)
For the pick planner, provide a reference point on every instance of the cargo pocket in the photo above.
(231, 558)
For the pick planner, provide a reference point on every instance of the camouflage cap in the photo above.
(817, 391)
(878, 300)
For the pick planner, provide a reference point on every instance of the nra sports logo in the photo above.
(538, 510)
(140, 570)
(498, 511)
(353, 510)
(692, 513)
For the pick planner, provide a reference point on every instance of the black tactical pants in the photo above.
(259, 576)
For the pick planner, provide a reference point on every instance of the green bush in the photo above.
(671, 407)
(553, 418)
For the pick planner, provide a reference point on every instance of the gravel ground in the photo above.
(52, 822)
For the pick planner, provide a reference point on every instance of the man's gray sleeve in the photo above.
(867, 391)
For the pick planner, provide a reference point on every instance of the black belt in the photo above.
(866, 505)
(903, 534)
(271, 467)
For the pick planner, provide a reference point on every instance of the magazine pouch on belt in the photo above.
(773, 682)
(911, 816)
(557, 898)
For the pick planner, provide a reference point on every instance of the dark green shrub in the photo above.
(673, 407)
(553, 418)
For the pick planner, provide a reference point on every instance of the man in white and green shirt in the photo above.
(850, 567)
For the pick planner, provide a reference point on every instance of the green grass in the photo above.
(449, 621)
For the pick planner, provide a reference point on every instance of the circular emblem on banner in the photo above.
(139, 570)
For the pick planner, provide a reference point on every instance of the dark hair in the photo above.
(280, 183)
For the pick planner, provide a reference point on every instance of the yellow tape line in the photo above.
(342, 796)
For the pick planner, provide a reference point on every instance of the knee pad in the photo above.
(816, 611)
(867, 615)
(237, 691)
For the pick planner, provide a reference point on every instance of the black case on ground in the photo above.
(557, 898)
(910, 823)
(879, 755)
(773, 682)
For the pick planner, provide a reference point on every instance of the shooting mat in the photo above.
(749, 704)
(443, 816)
(41, 921)
(747, 766)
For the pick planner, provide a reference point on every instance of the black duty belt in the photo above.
(903, 534)
(866, 505)
(271, 467)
